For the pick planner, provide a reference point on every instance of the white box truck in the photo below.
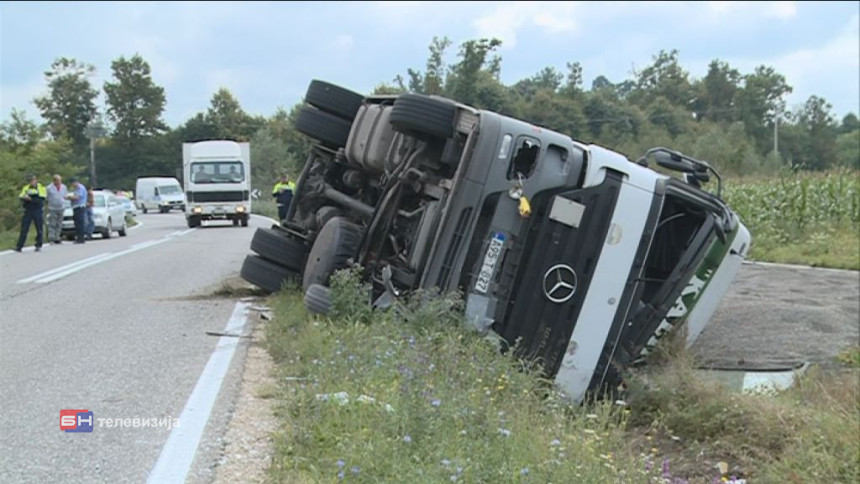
(217, 181)
(159, 193)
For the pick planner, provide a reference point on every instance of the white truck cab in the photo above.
(217, 181)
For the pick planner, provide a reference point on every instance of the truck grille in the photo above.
(203, 197)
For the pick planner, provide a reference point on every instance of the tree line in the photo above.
(737, 121)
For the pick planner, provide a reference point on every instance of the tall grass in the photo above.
(411, 396)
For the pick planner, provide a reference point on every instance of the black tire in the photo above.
(336, 243)
(107, 232)
(418, 114)
(333, 99)
(193, 222)
(235, 222)
(144, 209)
(123, 231)
(326, 128)
(318, 299)
(276, 246)
(244, 221)
(265, 274)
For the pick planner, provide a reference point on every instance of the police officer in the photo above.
(33, 198)
(283, 194)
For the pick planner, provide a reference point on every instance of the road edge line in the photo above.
(180, 449)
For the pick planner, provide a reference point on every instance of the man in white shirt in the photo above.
(56, 195)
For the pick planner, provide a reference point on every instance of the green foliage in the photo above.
(801, 217)
(135, 102)
(69, 105)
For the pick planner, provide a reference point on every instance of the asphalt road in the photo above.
(113, 331)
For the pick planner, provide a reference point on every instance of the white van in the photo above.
(163, 194)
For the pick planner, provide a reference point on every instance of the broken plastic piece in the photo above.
(525, 207)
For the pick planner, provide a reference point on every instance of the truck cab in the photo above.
(217, 181)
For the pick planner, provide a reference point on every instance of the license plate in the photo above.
(489, 265)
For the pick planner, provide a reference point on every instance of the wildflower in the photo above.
(648, 464)
(340, 475)
(340, 463)
(589, 431)
(407, 439)
(366, 399)
(453, 478)
(591, 416)
(459, 470)
(436, 402)
(555, 443)
(388, 408)
(355, 470)
(431, 367)
(524, 471)
(666, 473)
(446, 462)
(505, 432)
(621, 403)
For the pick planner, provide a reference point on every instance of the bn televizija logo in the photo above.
(77, 420)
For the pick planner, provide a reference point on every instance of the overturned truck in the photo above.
(583, 257)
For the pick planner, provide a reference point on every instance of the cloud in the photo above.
(508, 18)
(780, 10)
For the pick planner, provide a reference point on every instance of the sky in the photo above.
(267, 53)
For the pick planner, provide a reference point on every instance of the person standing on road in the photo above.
(91, 220)
(283, 194)
(56, 196)
(32, 197)
(78, 197)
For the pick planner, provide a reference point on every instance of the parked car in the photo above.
(130, 209)
(572, 253)
(108, 213)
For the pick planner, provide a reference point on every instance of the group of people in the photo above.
(34, 196)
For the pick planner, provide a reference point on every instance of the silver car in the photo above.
(108, 215)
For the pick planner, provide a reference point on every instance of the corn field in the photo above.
(798, 208)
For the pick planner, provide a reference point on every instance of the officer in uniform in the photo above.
(32, 197)
(283, 194)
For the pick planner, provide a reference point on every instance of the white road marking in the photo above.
(63, 268)
(178, 452)
(30, 248)
(60, 272)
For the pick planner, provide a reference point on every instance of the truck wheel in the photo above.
(318, 299)
(193, 222)
(277, 246)
(326, 128)
(335, 244)
(333, 99)
(245, 221)
(419, 114)
(265, 274)
(235, 222)
(144, 209)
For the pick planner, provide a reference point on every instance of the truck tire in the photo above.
(328, 129)
(276, 246)
(193, 222)
(244, 221)
(333, 99)
(318, 299)
(336, 243)
(418, 114)
(265, 274)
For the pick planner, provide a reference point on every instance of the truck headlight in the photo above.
(240, 209)
(197, 210)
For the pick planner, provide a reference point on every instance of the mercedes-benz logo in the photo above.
(559, 283)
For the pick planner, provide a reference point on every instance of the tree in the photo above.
(135, 102)
(19, 134)
(228, 118)
(717, 92)
(760, 101)
(463, 82)
(819, 128)
(70, 104)
(849, 123)
(663, 78)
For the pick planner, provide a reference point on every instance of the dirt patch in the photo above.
(248, 439)
(230, 288)
(778, 316)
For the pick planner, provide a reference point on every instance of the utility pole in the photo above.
(776, 135)
(94, 130)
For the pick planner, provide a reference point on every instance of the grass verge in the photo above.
(411, 396)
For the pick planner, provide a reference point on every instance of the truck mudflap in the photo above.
(551, 269)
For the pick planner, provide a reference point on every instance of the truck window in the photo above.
(217, 172)
(526, 153)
